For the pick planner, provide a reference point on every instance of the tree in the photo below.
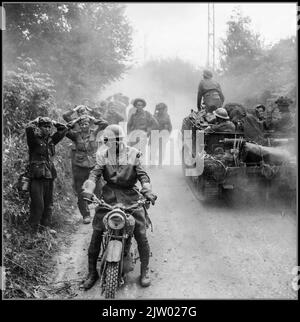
(83, 46)
(27, 94)
(252, 74)
(242, 48)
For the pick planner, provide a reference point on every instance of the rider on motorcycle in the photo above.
(120, 167)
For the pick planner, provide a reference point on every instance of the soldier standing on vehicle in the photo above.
(120, 167)
(210, 91)
(222, 123)
(42, 172)
(84, 156)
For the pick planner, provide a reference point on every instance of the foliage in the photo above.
(242, 48)
(251, 73)
(83, 46)
(28, 94)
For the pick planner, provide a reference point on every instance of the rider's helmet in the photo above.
(207, 73)
(113, 132)
(221, 113)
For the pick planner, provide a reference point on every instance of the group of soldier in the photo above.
(110, 167)
(234, 117)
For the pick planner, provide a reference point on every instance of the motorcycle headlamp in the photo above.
(116, 221)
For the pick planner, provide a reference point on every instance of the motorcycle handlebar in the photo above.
(103, 203)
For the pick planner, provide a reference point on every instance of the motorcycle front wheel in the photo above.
(111, 279)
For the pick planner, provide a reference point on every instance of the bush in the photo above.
(28, 94)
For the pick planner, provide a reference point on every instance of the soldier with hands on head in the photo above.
(42, 173)
(84, 154)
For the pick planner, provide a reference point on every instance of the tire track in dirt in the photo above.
(200, 252)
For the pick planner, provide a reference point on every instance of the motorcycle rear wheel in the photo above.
(111, 279)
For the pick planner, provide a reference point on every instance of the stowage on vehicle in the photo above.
(227, 162)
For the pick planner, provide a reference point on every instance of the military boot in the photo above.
(93, 275)
(145, 276)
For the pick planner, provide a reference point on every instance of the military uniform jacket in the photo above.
(121, 174)
(211, 91)
(226, 126)
(84, 153)
(143, 121)
(164, 122)
(41, 152)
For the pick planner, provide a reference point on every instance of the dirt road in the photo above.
(200, 252)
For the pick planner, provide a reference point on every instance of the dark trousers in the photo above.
(41, 195)
(139, 235)
(81, 174)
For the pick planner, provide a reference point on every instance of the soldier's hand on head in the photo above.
(59, 126)
(91, 117)
(35, 121)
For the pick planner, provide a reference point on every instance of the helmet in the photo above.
(260, 106)
(113, 132)
(207, 73)
(139, 100)
(103, 103)
(221, 113)
(283, 101)
(161, 106)
(44, 121)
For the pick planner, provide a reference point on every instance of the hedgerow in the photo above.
(27, 258)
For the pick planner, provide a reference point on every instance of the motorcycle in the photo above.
(115, 257)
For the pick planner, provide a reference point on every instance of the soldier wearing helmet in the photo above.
(245, 122)
(42, 173)
(284, 124)
(162, 117)
(210, 91)
(139, 126)
(84, 154)
(222, 123)
(121, 168)
(141, 119)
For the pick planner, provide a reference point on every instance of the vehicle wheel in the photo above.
(111, 280)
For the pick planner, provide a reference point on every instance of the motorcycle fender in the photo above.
(114, 251)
